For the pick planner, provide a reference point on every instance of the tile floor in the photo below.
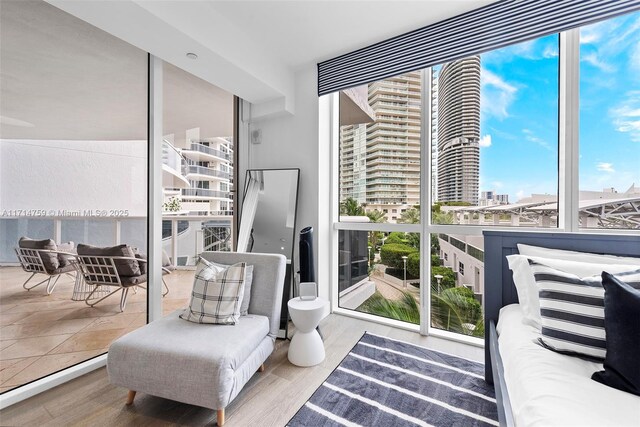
(41, 334)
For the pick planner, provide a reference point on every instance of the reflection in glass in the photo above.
(73, 169)
(380, 148)
(379, 273)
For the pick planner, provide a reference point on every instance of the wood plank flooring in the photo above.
(270, 398)
(41, 334)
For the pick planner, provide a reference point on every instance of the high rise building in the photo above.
(380, 161)
(458, 121)
(434, 134)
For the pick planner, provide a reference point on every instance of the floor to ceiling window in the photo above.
(198, 177)
(379, 184)
(494, 131)
(610, 124)
(73, 177)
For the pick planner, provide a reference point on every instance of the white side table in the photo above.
(306, 348)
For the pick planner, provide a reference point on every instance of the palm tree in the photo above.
(351, 207)
(377, 216)
(410, 216)
(452, 311)
(405, 309)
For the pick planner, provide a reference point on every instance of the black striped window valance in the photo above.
(490, 27)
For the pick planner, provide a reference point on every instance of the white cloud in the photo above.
(497, 94)
(593, 59)
(519, 195)
(550, 51)
(485, 141)
(634, 58)
(531, 137)
(605, 167)
(626, 116)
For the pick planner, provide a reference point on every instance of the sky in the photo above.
(519, 112)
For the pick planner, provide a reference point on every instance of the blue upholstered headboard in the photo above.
(499, 289)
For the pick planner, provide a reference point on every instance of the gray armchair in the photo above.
(201, 364)
(113, 267)
(46, 258)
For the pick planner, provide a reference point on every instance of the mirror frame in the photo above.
(289, 284)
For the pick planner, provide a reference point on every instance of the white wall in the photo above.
(73, 175)
(292, 141)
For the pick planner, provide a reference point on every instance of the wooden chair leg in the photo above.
(220, 417)
(261, 368)
(130, 397)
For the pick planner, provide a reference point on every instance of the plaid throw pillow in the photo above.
(217, 294)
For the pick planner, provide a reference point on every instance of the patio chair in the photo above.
(45, 257)
(116, 267)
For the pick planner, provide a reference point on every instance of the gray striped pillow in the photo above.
(572, 310)
(217, 294)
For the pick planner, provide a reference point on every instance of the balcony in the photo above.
(204, 194)
(203, 153)
(172, 167)
(203, 173)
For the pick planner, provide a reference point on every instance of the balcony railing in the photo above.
(196, 146)
(204, 192)
(184, 236)
(171, 156)
(203, 170)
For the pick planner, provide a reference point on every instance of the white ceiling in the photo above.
(309, 31)
(254, 48)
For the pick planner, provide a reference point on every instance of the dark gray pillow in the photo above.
(143, 265)
(622, 324)
(49, 260)
(66, 259)
(126, 268)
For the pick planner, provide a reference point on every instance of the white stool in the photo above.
(306, 348)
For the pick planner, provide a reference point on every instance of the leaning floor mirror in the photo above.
(268, 221)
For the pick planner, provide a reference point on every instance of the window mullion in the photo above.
(425, 202)
(569, 126)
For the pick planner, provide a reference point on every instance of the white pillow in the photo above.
(217, 294)
(248, 280)
(575, 256)
(526, 284)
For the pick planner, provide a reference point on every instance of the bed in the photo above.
(532, 383)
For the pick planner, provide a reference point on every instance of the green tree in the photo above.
(448, 278)
(454, 310)
(413, 264)
(435, 260)
(391, 254)
(406, 309)
(375, 237)
(351, 207)
(435, 244)
(396, 237)
(410, 216)
(376, 216)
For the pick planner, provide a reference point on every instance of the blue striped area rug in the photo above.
(385, 382)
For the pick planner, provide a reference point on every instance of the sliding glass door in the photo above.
(197, 178)
(73, 175)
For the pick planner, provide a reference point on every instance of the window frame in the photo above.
(568, 189)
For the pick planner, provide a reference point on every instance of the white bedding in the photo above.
(550, 389)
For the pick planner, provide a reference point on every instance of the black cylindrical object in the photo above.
(307, 266)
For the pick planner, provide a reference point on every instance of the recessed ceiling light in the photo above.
(191, 55)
